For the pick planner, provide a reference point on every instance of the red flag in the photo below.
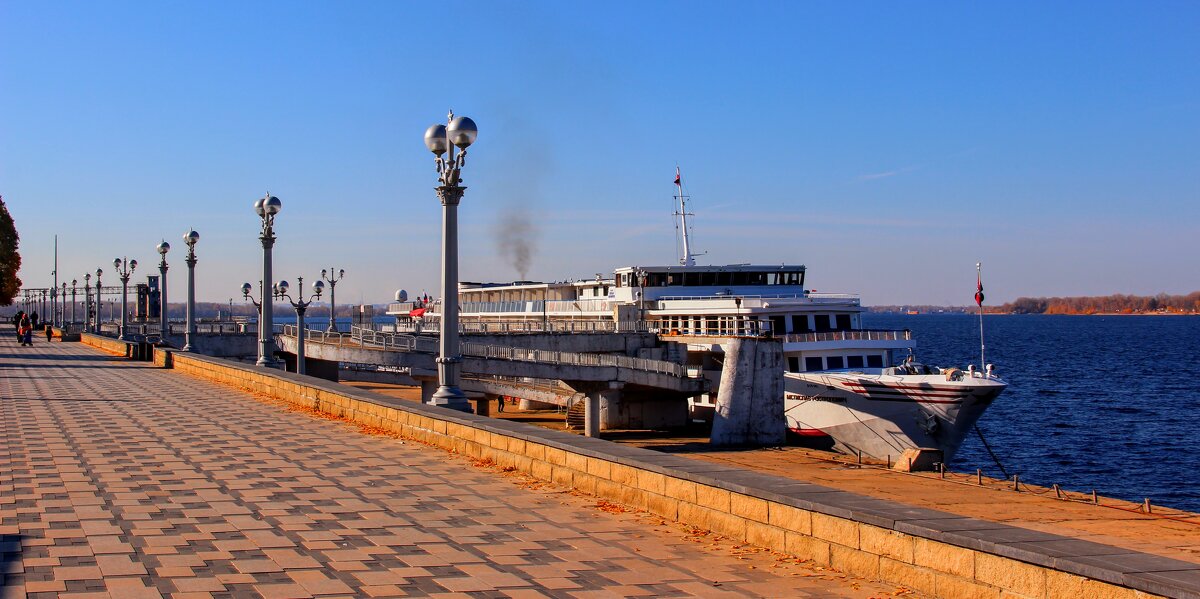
(978, 290)
(677, 175)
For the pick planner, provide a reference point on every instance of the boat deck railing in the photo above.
(855, 335)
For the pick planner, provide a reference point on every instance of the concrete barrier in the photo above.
(936, 553)
(105, 344)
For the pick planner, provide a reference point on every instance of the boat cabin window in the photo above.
(777, 325)
(835, 362)
(800, 324)
(793, 364)
(843, 322)
(854, 361)
(822, 322)
(875, 361)
(812, 364)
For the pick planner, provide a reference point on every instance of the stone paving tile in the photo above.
(118, 479)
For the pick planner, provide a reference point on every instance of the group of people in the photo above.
(25, 323)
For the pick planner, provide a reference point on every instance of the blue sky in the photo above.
(887, 146)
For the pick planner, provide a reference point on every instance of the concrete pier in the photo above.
(120, 479)
(750, 397)
(277, 470)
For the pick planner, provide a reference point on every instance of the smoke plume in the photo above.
(515, 239)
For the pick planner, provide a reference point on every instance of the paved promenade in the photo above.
(121, 480)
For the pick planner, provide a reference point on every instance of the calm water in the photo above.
(1104, 402)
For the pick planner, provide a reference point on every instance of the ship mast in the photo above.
(688, 259)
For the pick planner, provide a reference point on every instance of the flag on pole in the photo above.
(677, 175)
(978, 287)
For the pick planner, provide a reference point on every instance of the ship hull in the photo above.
(882, 415)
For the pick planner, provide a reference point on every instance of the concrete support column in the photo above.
(591, 422)
(610, 409)
(750, 400)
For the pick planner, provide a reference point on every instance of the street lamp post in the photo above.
(164, 327)
(266, 208)
(53, 314)
(460, 132)
(87, 302)
(99, 303)
(62, 306)
(333, 281)
(281, 291)
(124, 268)
(74, 285)
(190, 238)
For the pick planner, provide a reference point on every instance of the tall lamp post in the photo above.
(460, 132)
(281, 291)
(163, 327)
(190, 238)
(332, 279)
(87, 302)
(124, 268)
(74, 284)
(266, 208)
(99, 303)
(62, 306)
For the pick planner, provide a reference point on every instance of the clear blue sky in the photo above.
(888, 146)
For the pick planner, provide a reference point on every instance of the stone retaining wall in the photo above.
(106, 344)
(936, 553)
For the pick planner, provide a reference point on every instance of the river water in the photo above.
(1110, 403)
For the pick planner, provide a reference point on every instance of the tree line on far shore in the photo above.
(1118, 303)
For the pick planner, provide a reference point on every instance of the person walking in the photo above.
(25, 331)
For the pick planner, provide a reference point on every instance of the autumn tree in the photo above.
(10, 259)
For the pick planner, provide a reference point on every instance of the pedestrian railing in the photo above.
(365, 337)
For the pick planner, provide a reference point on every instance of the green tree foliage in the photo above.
(10, 258)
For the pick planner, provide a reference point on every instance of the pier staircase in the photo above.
(576, 412)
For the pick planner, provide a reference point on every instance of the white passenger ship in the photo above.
(858, 386)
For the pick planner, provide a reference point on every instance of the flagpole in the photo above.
(979, 300)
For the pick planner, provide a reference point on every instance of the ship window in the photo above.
(835, 362)
(708, 279)
(793, 364)
(800, 323)
(758, 278)
(656, 279)
(724, 278)
(854, 361)
(875, 361)
(822, 321)
(712, 325)
(674, 279)
(812, 364)
(843, 322)
(777, 325)
(740, 278)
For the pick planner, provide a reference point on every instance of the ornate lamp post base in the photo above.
(448, 394)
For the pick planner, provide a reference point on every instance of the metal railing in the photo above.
(858, 335)
(412, 343)
(499, 352)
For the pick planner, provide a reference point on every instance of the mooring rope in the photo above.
(990, 452)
